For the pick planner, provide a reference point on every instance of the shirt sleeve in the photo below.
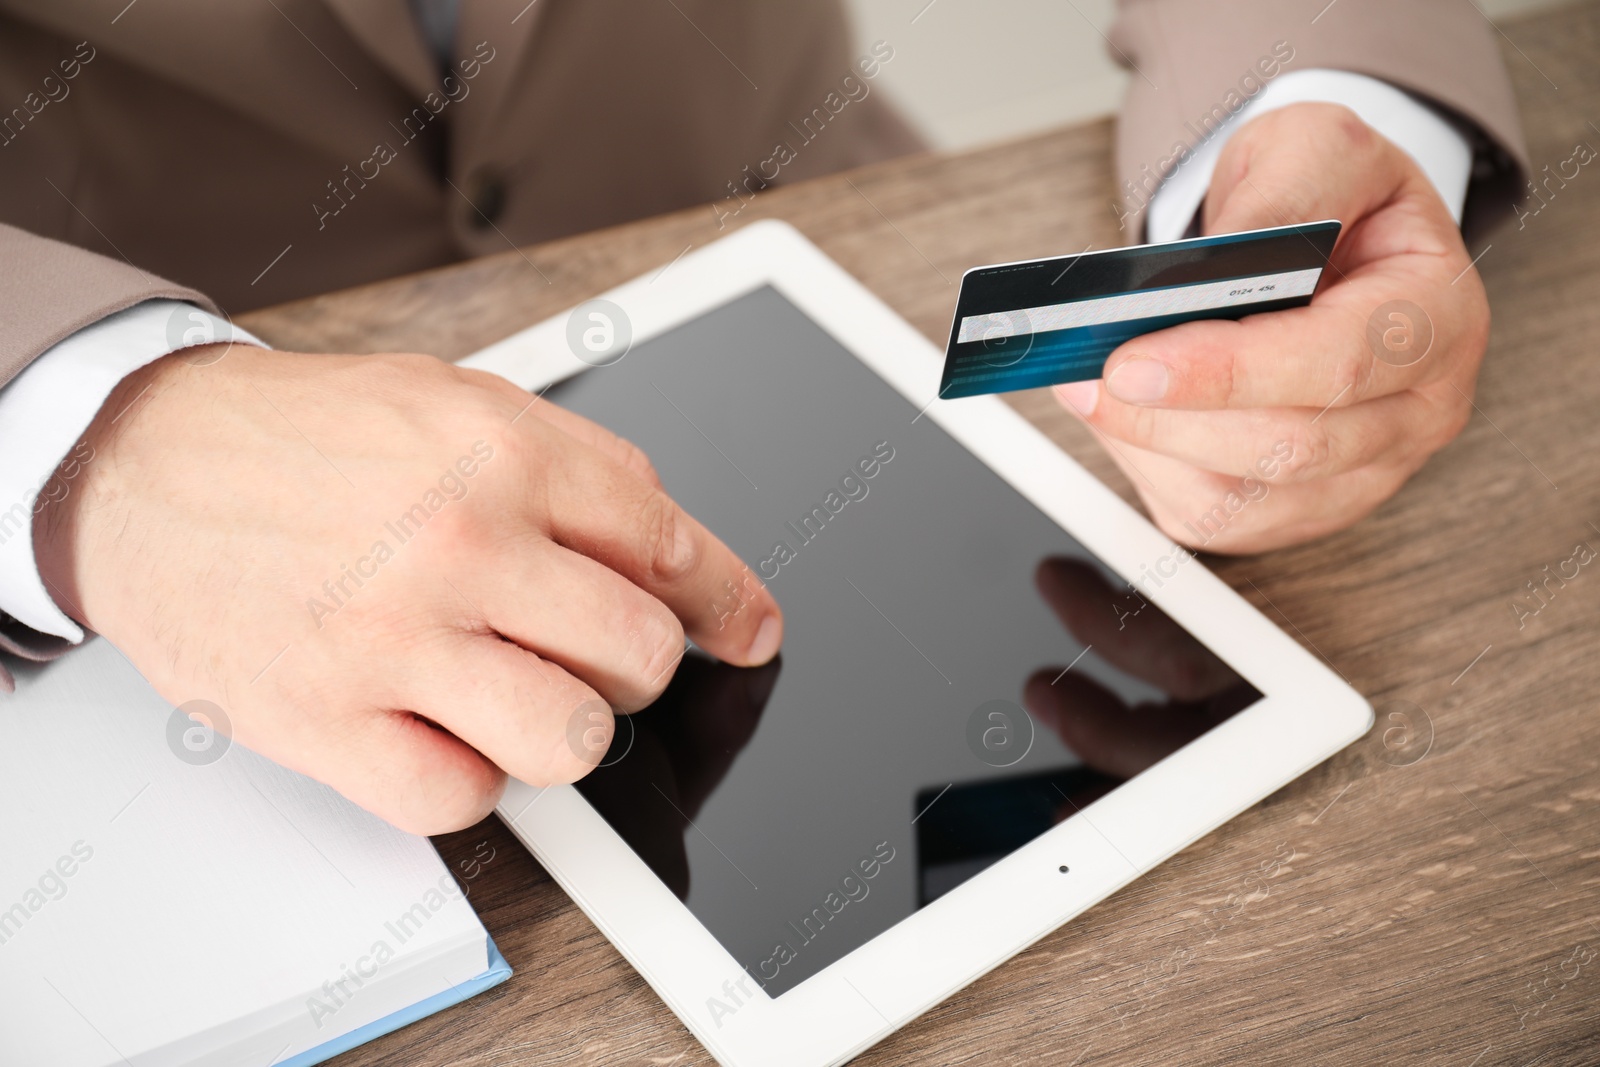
(44, 412)
(1439, 147)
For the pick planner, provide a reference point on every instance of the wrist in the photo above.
(84, 494)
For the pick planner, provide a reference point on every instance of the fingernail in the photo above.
(1139, 381)
(1080, 396)
(768, 636)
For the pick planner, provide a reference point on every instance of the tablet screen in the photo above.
(802, 808)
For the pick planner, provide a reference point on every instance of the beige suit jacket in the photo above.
(260, 150)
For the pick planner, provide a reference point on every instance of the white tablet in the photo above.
(801, 858)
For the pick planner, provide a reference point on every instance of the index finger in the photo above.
(609, 513)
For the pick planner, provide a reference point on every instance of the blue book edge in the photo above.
(499, 970)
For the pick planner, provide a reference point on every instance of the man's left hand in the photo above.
(1357, 390)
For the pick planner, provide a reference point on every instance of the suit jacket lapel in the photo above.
(388, 31)
(506, 26)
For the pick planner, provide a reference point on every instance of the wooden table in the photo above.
(1441, 901)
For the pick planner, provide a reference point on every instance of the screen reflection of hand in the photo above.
(682, 746)
(1140, 640)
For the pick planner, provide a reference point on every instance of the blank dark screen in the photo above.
(802, 808)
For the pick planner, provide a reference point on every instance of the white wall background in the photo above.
(971, 72)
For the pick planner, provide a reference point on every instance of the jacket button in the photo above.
(487, 191)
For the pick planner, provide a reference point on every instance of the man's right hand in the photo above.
(402, 578)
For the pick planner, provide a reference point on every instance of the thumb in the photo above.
(1302, 163)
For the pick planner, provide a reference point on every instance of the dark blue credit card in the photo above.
(1047, 321)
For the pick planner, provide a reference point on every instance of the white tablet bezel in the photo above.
(1306, 714)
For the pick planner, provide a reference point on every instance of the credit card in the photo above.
(1047, 321)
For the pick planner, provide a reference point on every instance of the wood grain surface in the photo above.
(1432, 895)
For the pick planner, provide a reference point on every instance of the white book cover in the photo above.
(167, 897)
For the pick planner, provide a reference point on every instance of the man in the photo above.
(220, 519)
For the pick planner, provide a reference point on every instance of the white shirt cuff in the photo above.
(1442, 151)
(44, 412)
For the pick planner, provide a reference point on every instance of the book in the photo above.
(170, 897)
